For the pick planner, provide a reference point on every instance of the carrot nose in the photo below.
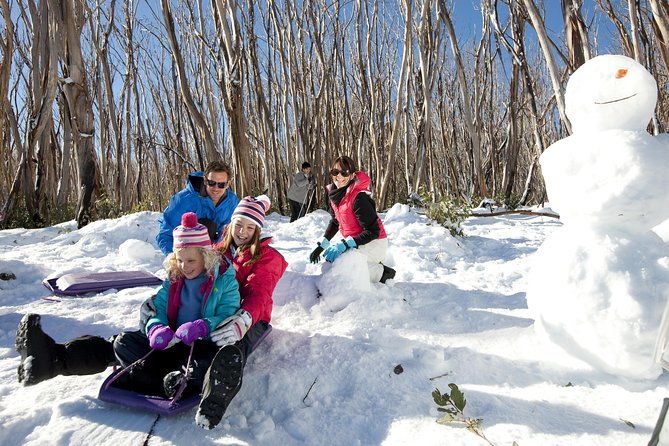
(621, 73)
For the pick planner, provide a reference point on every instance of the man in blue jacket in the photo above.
(207, 194)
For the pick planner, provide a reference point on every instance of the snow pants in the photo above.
(297, 210)
(376, 255)
(147, 376)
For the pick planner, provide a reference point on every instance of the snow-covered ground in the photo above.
(455, 313)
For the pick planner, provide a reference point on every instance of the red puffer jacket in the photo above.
(257, 281)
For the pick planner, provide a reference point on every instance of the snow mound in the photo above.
(134, 249)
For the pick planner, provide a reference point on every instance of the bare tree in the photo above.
(41, 96)
(194, 112)
(539, 26)
(232, 83)
(8, 118)
(271, 84)
(70, 17)
(468, 108)
(623, 32)
(395, 136)
(633, 8)
(660, 23)
(101, 42)
(576, 33)
(429, 39)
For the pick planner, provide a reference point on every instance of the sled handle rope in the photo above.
(184, 381)
(128, 368)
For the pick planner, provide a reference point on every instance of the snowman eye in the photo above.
(621, 73)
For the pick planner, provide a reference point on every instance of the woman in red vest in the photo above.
(354, 215)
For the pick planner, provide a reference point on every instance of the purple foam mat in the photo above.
(96, 282)
(147, 403)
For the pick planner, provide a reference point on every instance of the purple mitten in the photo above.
(191, 331)
(160, 336)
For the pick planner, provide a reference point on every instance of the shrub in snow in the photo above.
(454, 407)
(448, 211)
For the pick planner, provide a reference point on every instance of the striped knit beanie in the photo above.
(253, 208)
(190, 232)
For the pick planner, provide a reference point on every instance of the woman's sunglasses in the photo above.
(219, 184)
(344, 173)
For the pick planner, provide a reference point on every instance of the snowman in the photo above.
(599, 283)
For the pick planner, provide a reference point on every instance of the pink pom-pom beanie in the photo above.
(190, 232)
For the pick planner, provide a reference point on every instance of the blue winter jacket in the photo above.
(221, 298)
(194, 198)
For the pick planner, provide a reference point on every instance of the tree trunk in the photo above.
(395, 136)
(233, 88)
(632, 6)
(576, 33)
(195, 114)
(468, 109)
(66, 161)
(6, 110)
(70, 20)
(429, 40)
(539, 26)
(660, 9)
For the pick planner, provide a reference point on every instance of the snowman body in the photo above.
(598, 288)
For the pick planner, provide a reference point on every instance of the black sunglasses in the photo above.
(344, 173)
(220, 184)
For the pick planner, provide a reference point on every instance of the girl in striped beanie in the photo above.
(258, 268)
(245, 227)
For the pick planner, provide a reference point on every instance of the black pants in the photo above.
(295, 209)
(252, 337)
(147, 376)
(88, 355)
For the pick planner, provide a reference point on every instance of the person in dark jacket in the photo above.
(354, 216)
(300, 191)
(208, 195)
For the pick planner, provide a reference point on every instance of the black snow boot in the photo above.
(42, 358)
(221, 383)
(37, 350)
(388, 273)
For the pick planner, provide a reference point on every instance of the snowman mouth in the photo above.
(616, 100)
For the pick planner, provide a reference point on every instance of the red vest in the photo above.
(348, 224)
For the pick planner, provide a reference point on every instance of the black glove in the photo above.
(315, 255)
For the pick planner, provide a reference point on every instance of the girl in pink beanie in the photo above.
(200, 293)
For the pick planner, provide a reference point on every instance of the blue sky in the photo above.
(467, 19)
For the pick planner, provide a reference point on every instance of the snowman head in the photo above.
(610, 92)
